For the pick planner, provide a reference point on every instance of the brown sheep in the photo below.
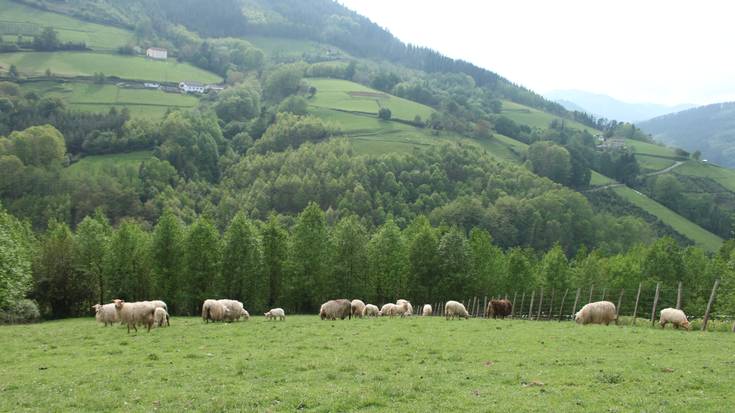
(498, 308)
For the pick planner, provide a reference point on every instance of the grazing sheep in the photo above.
(404, 308)
(358, 308)
(427, 310)
(276, 314)
(600, 312)
(498, 308)
(160, 304)
(213, 310)
(388, 309)
(106, 314)
(371, 310)
(235, 310)
(455, 309)
(135, 313)
(673, 316)
(160, 317)
(334, 309)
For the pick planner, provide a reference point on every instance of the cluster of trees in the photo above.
(299, 263)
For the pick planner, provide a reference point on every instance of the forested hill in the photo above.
(709, 129)
(323, 21)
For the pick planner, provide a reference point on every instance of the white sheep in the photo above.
(276, 314)
(371, 310)
(673, 316)
(388, 309)
(599, 312)
(213, 310)
(235, 310)
(358, 308)
(427, 310)
(106, 314)
(135, 313)
(160, 317)
(455, 309)
(405, 309)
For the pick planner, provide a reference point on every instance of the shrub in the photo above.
(20, 312)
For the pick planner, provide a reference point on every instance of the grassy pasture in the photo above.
(535, 118)
(653, 163)
(414, 365)
(699, 235)
(723, 176)
(350, 96)
(92, 165)
(645, 148)
(86, 64)
(100, 98)
(278, 47)
(16, 18)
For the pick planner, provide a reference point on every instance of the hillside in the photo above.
(708, 129)
(611, 108)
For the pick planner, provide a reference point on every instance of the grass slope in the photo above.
(354, 97)
(14, 18)
(92, 165)
(535, 118)
(645, 148)
(100, 98)
(723, 176)
(416, 365)
(86, 64)
(699, 235)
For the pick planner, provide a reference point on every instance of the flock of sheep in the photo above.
(155, 313)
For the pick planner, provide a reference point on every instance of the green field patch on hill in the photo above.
(645, 148)
(99, 163)
(18, 19)
(100, 98)
(699, 235)
(535, 118)
(723, 176)
(653, 163)
(354, 97)
(87, 64)
(278, 47)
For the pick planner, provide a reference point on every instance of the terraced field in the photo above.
(72, 64)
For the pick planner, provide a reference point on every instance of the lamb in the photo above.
(358, 308)
(371, 310)
(235, 310)
(214, 310)
(135, 313)
(106, 314)
(455, 309)
(276, 314)
(160, 317)
(600, 312)
(673, 316)
(388, 309)
(405, 309)
(498, 308)
(427, 310)
(333, 309)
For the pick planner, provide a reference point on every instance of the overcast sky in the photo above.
(659, 51)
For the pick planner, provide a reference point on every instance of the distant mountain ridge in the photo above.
(611, 108)
(709, 129)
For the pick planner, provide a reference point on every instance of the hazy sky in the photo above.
(660, 51)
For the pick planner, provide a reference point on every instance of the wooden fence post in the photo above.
(484, 306)
(620, 302)
(637, 298)
(678, 297)
(523, 301)
(592, 287)
(604, 294)
(576, 300)
(561, 308)
(655, 302)
(540, 303)
(551, 304)
(513, 304)
(709, 304)
(530, 308)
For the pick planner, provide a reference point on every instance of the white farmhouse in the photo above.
(157, 53)
(192, 87)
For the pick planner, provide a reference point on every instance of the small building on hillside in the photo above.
(612, 143)
(157, 53)
(192, 87)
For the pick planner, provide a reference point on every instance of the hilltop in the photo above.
(611, 108)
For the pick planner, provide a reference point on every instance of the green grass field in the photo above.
(413, 365)
(535, 118)
(699, 235)
(350, 96)
(87, 64)
(290, 48)
(17, 19)
(98, 163)
(723, 176)
(100, 98)
(653, 163)
(645, 148)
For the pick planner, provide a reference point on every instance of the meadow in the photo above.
(72, 64)
(93, 97)
(413, 365)
(15, 19)
(535, 118)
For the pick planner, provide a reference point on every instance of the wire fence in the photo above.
(634, 306)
